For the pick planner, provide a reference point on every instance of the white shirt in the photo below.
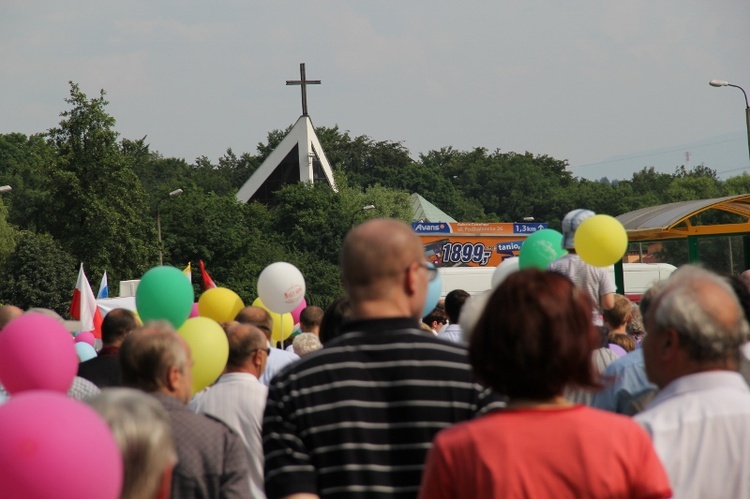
(452, 333)
(277, 360)
(596, 281)
(238, 399)
(700, 427)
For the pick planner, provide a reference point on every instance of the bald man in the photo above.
(278, 359)
(356, 418)
(8, 313)
(700, 419)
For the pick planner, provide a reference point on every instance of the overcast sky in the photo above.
(609, 86)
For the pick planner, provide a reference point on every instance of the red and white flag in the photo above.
(208, 283)
(83, 306)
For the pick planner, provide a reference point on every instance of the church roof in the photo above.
(424, 211)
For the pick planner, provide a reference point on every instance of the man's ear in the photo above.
(669, 343)
(410, 283)
(174, 376)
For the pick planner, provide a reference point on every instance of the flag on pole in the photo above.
(188, 271)
(103, 287)
(208, 283)
(83, 306)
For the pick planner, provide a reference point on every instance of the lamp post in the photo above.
(721, 83)
(5, 188)
(172, 194)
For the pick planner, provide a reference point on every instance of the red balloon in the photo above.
(37, 353)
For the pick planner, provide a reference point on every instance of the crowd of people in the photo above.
(549, 385)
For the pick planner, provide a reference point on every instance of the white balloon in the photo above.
(281, 287)
(506, 267)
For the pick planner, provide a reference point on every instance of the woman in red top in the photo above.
(535, 337)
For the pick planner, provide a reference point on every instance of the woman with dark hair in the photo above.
(534, 338)
(335, 316)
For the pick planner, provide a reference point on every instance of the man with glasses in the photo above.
(238, 398)
(277, 358)
(357, 417)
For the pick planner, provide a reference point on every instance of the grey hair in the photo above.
(147, 354)
(681, 305)
(306, 343)
(143, 433)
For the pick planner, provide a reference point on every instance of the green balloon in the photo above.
(540, 249)
(164, 293)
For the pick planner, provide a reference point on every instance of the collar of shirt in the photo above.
(110, 351)
(699, 382)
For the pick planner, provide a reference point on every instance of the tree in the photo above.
(39, 273)
(98, 208)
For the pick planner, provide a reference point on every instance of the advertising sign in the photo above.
(458, 244)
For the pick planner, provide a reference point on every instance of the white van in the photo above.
(638, 278)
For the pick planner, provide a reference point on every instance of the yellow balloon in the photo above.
(209, 348)
(219, 304)
(283, 324)
(601, 240)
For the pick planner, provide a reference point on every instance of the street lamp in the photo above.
(5, 188)
(721, 83)
(172, 194)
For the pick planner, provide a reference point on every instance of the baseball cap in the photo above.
(70, 326)
(570, 224)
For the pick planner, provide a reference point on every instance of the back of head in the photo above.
(704, 311)
(310, 318)
(258, 317)
(8, 313)
(534, 337)
(147, 354)
(335, 316)
(437, 315)
(306, 343)
(374, 257)
(570, 224)
(620, 313)
(244, 340)
(454, 302)
(116, 326)
(143, 432)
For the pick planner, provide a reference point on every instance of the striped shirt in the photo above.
(357, 418)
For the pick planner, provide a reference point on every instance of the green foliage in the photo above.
(38, 273)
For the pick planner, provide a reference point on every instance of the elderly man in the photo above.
(212, 462)
(277, 358)
(238, 398)
(700, 419)
(356, 418)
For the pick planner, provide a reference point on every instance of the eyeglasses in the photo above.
(432, 271)
(267, 350)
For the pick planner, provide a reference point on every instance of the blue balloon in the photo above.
(434, 289)
(85, 351)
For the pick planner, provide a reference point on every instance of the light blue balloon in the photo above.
(85, 351)
(434, 288)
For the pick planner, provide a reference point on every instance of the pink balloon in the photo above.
(36, 353)
(47, 439)
(194, 311)
(86, 337)
(298, 310)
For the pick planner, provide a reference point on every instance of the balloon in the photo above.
(283, 324)
(194, 311)
(434, 290)
(36, 353)
(506, 267)
(617, 349)
(86, 337)
(209, 348)
(219, 304)
(281, 287)
(164, 293)
(298, 310)
(540, 249)
(85, 351)
(601, 240)
(47, 438)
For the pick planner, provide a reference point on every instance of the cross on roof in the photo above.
(303, 82)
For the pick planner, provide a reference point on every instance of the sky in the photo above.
(610, 87)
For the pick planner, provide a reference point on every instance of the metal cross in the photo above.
(303, 82)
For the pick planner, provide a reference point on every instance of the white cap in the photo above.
(570, 224)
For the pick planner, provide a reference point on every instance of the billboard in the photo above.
(459, 244)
